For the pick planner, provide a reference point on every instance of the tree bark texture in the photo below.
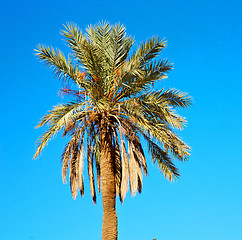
(109, 228)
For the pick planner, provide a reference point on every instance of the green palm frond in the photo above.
(61, 114)
(44, 139)
(147, 51)
(58, 118)
(120, 45)
(83, 50)
(157, 129)
(62, 67)
(73, 35)
(102, 35)
(133, 84)
(156, 105)
(163, 160)
(175, 98)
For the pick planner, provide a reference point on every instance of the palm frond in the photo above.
(157, 129)
(147, 51)
(136, 82)
(157, 107)
(117, 163)
(63, 69)
(73, 168)
(45, 138)
(132, 171)
(57, 118)
(66, 155)
(83, 50)
(175, 98)
(119, 47)
(125, 172)
(97, 154)
(90, 171)
(162, 159)
(60, 114)
(102, 36)
(73, 35)
(80, 164)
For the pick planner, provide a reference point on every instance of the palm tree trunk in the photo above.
(109, 228)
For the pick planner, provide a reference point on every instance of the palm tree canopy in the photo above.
(113, 91)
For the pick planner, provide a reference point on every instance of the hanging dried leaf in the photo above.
(132, 171)
(117, 165)
(80, 164)
(90, 173)
(66, 156)
(125, 172)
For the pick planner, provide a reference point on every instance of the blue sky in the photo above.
(204, 43)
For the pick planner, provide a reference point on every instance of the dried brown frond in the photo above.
(125, 171)
(69, 127)
(132, 170)
(98, 177)
(139, 153)
(65, 160)
(73, 166)
(73, 185)
(90, 172)
(79, 170)
(67, 91)
(138, 165)
(117, 164)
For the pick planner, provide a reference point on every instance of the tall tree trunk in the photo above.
(109, 228)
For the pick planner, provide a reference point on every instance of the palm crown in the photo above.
(114, 103)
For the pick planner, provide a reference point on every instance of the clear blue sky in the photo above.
(204, 43)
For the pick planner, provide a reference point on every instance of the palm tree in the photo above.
(115, 108)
